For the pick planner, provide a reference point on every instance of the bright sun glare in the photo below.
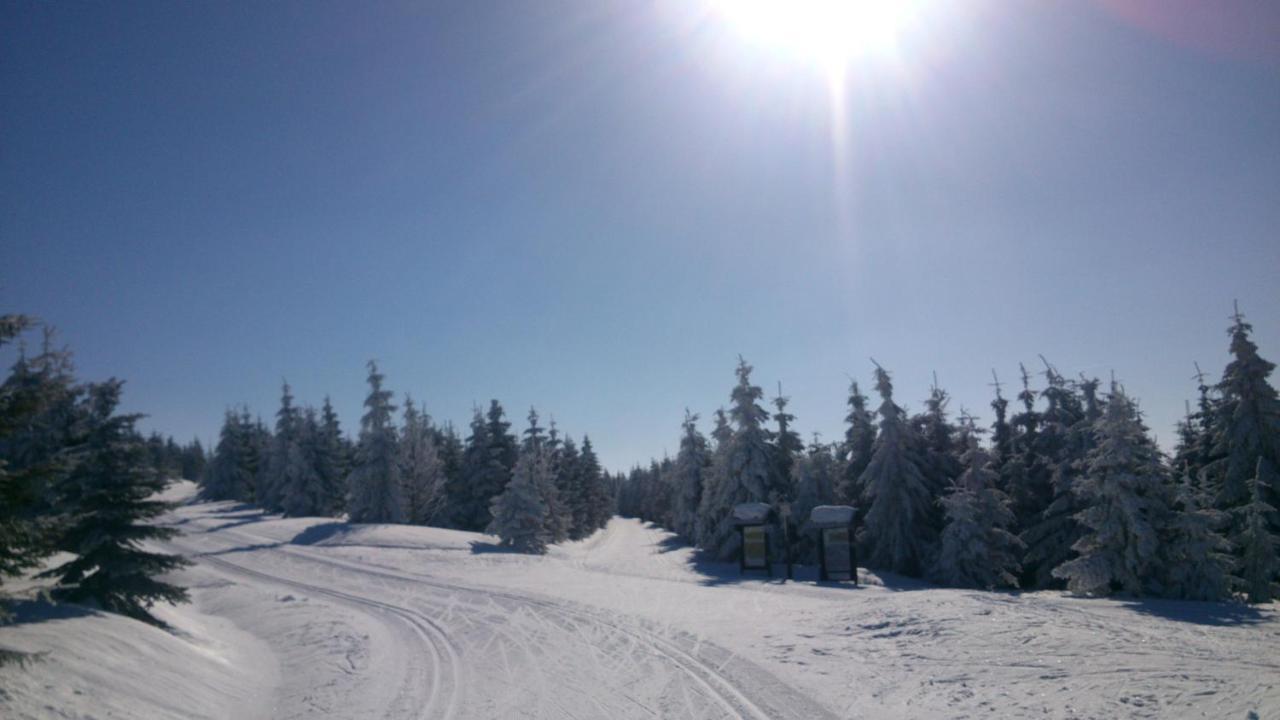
(830, 33)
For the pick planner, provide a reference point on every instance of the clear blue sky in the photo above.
(594, 207)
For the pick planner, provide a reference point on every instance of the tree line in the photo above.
(77, 477)
(530, 492)
(1069, 489)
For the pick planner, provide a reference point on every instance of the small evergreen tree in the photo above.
(519, 514)
(109, 499)
(374, 494)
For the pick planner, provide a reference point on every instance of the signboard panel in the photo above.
(755, 548)
(837, 556)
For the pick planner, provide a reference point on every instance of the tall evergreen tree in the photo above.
(286, 467)
(1194, 559)
(599, 501)
(559, 518)
(109, 498)
(228, 475)
(305, 493)
(421, 470)
(712, 512)
(482, 477)
(1257, 565)
(787, 446)
(859, 443)
(375, 492)
(692, 462)
(330, 453)
(1123, 507)
(749, 473)
(941, 464)
(898, 531)
(1245, 430)
(976, 548)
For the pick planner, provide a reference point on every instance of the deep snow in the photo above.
(314, 618)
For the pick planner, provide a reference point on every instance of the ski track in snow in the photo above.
(401, 621)
(541, 633)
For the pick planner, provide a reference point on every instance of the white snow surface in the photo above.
(831, 516)
(312, 617)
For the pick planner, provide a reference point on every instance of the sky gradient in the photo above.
(594, 207)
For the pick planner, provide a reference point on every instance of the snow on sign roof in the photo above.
(751, 513)
(831, 516)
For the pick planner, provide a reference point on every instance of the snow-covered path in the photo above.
(310, 618)
(485, 652)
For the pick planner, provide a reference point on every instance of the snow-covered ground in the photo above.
(314, 618)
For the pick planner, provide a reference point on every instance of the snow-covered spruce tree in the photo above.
(815, 476)
(897, 532)
(1001, 435)
(305, 495)
(691, 465)
(941, 464)
(108, 496)
(566, 466)
(1246, 430)
(749, 471)
(194, 460)
(504, 448)
(286, 467)
(476, 475)
(1065, 441)
(712, 513)
(1120, 491)
(558, 517)
(374, 490)
(976, 548)
(228, 476)
(24, 399)
(859, 442)
(787, 445)
(421, 471)
(329, 452)
(1258, 563)
(1194, 560)
(1028, 479)
(449, 447)
(519, 515)
(600, 502)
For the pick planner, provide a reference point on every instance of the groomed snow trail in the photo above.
(473, 652)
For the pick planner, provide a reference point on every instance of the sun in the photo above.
(828, 33)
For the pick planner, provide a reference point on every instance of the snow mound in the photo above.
(751, 513)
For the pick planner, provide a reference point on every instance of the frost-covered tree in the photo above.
(306, 495)
(859, 443)
(1258, 563)
(1028, 475)
(749, 470)
(1066, 438)
(109, 498)
(976, 548)
(598, 505)
(787, 446)
(1194, 559)
(329, 451)
(937, 434)
(1123, 507)
(481, 478)
(815, 476)
(1245, 430)
(228, 476)
(504, 447)
(898, 530)
(519, 514)
(26, 396)
(712, 513)
(559, 517)
(287, 469)
(421, 470)
(374, 489)
(692, 462)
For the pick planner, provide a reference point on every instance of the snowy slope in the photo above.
(396, 621)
